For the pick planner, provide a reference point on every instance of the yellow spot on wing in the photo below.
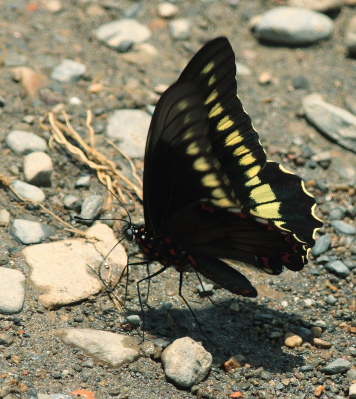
(183, 105)
(193, 149)
(212, 80)
(280, 224)
(225, 123)
(210, 180)
(201, 164)
(263, 194)
(241, 150)
(188, 135)
(218, 193)
(268, 211)
(224, 203)
(248, 159)
(213, 95)
(216, 110)
(233, 138)
(252, 174)
(208, 68)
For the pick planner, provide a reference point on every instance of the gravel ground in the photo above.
(316, 304)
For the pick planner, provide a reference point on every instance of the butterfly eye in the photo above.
(129, 234)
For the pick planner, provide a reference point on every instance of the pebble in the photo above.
(242, 70)
(301, 83)
(12, 291)
(335, 123)
(331, 300)
(346, 168)
(167, 10)
(28, 191)
(352, 391)
(320, 343)
(322, 245)
(180, 29)
(134, 320)
(350, 36)
(338, 268)
(292, 26)
(205, 289)
(68, 71)
(319, 5)
(338, 366)
(186, 362)
(28, 232)
(6, 339)
(72, 202)
(130, 127)
(13, 59)
(292, 340)
(342, 227)
(83, 182)
(22, 142)
(317, 332)
(148, 348)
(336, 214)
(141, 54)
(38, 168)
(113, 349)
(5, 217)
(91, 208)
(60, 269)
(30, 80)
(115, 32)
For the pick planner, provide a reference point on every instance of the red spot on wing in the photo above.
(206, 207)
(265, 262)
(286, 257)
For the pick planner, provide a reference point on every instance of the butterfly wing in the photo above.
(207, 183)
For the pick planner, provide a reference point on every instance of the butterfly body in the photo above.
(209, 191)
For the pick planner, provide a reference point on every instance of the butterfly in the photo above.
(209, 192)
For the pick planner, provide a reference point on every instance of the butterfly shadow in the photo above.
(255, 331)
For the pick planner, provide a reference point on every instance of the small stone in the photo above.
(317, 331)
(318, 5)
(309, 302)
(91, 208)
(338, 268)
(115, 32)
(322, 245)
(38, 168)
(22, 142)
(292, 340)
(232, 364)
(186, 362)
(265, 78)
(141, 54)
(30, 80)
(130, 127)
(180, 29)
(12, 291)
(6, 339)
(301, 83)
(338, 366)
(148, 348)
(68, 71)
(28, 191)
(331, 300)
(83, 182)
(336, 214)
(350, 36)
(5, 217)
(28, 232)
(342, 227)
(72, 202)
(134, 320)
(205, 289)
(292, 26)
(242, 70)
(320, 343)
(352, 391)
(167, 10)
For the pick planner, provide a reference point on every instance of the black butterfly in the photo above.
(209, 191)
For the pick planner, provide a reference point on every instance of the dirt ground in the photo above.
(36, 359)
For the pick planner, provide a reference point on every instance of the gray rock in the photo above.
(338, 268)
(6, 339)
(12, 291)
(186, 362)
(72, 202)
(318, 5)
(91, 208)
(180, 29)
(83, 181)
(134, 320)
(335, 123)
(336, 213)
(38, 168)
(60, 270)
(350, 102)
(68, 71)
(28, 191)
(351, 264)
(331, 300)
(345, 168)
(130, 128)
(167, 10)
(104, 346)
(338, 366)
(22, 142)
(293, 26)
(322, 245)
(350, 36)
(116, 32)
(342, 227)
(29, 232)
(242, 70)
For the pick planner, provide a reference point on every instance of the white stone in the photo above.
(12, 290)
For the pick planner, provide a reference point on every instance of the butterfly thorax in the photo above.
(161, 249)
